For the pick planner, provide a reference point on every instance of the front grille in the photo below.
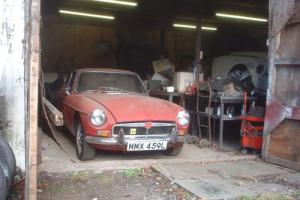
(139, 129)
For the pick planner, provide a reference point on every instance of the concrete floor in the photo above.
(54, 159)
(206, 173)
(231, 180)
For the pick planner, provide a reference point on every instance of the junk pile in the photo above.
(235, 84)
(166, 79)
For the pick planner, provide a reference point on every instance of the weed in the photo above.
(55, 189)
(133, 172)
(79, 176)
(104, 177)
(274, 196)
(186, 195)
(297, 194)
(246, 197)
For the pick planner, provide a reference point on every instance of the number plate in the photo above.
(146, 146)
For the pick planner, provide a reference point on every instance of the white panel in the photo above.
(12, 85)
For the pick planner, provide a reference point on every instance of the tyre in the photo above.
(83, 150)
(174, 151)
(7, 161)
(3, 185)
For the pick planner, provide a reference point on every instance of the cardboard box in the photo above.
(201, 77)
(162, 65)
(161, 78)
(182, 80)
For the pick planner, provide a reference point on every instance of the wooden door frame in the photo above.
(32, 67)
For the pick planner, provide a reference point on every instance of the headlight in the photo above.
(98, 117)
(183, 118)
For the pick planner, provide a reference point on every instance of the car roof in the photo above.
(113, 70)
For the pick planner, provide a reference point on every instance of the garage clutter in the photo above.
(231, 97)
(167, 80)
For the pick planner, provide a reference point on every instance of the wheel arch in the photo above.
(76, 119)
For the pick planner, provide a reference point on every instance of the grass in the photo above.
(186, 195)
(79, 176)
(269, 196)
(133, 172)
(104, 178)
(55, 189)
(297, 194)
(246, 197)
(274, 196)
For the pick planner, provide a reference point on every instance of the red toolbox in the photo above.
(252, 133)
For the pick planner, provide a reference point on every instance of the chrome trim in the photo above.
(122, 139)
(145, 137)
(116, 141)
(99, 140)
(143, 124)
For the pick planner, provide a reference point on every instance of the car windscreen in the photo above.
(112, 82)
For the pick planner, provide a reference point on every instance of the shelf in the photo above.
(228, 99)
(225, 117)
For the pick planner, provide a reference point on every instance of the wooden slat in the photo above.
(282, 127)
(284, 141)
(55, 115)
(33, 54)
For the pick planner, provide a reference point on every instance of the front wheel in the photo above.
(7, 161)
(83, 150)
(174, 151)
(3, 185)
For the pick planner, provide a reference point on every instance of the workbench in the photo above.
(221, 101)
(217, 100)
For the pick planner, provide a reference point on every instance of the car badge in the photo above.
(133, 131)
(148, 125)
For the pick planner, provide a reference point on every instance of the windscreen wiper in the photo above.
(111, 89)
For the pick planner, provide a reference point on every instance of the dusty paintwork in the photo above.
(12, 86)
(119, 107)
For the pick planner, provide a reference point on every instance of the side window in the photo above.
(70, 81)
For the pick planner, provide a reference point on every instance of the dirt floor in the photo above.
(194, 174)
(121, 185)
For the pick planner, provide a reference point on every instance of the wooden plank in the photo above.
(280, 13)
(33, 56)
(282, 131)
(282, 145)
(54, 114)
(285, 140)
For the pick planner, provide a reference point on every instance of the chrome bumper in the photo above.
(121, 140)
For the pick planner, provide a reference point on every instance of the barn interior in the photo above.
(138, 35)
(136, 99)
(131, 36)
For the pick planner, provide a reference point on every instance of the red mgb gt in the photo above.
(110, 109)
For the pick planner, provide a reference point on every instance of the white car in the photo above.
(241, 65)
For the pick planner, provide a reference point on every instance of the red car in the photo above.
(110, 109)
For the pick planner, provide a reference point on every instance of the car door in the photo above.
(66, 98)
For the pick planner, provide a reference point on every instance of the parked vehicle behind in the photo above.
(243, 67)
